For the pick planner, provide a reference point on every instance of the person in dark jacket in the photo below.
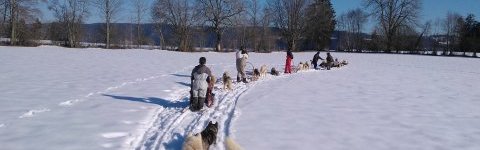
(199, 85)
(288, 62)
(329, 61)
(315, 59)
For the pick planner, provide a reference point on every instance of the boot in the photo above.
(244, 80)
(238, 79)
(201, 101)
(193, 103)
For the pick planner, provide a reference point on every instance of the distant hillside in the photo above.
(93, 33)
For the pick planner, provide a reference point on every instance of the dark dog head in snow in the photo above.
(209, 135)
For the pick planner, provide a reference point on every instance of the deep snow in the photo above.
(58, 98)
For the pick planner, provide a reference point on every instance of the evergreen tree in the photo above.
(320, 23)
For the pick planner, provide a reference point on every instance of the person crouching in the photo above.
(199, 85)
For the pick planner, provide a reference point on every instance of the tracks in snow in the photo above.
(171, 125)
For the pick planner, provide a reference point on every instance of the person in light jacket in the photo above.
(241, 63)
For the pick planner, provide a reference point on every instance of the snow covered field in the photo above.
(58, 98)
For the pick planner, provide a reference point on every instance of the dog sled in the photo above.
(210, 97)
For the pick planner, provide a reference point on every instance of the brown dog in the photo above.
(227, 81)
(256, 74)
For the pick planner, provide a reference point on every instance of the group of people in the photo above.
(201, 76)
(328, 64)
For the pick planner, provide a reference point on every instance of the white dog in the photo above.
(195, 142)
(307, 65)
(300, 66)
(263, 71)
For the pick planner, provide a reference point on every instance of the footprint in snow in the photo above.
(90, 94)
(132, 110)
(69, 103)
(127, 122)
(32, 113)
(107, 145)
(112, 135)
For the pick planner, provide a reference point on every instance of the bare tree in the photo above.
(219, 14)
(425, 34)
(13, 21)
(289, 18)
(140, 10)
(254, 13)
(353, 23)
(240, 33)
(267, 40)
(182, 15)
(70, 15)
(16, 11)
(393, 14)
(449, 27)
(4, 9)
(435, 34)
(109, 9)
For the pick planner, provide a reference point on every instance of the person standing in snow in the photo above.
(315, 59)
(199, 77)
(288, 62)
(241, 63)
(329, 61)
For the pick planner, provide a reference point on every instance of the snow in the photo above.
(114, 135)
(377, 102)
(60, 98)
(32, 113)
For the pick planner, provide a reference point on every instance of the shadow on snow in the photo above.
(184, 84)
(181, 75)
(153, 100)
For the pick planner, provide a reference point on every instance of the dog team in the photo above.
(202, 84)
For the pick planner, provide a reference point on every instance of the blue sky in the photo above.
(431, 9)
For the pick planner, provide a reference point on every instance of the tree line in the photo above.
(274, 24)
(262, 26)
(399, 30)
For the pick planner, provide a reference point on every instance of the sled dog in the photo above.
(307, 65)
(203, 140)
(300, 67)
(274, 72)
(227, 81)
(263, 71)
(256, 74)
(231, 145)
